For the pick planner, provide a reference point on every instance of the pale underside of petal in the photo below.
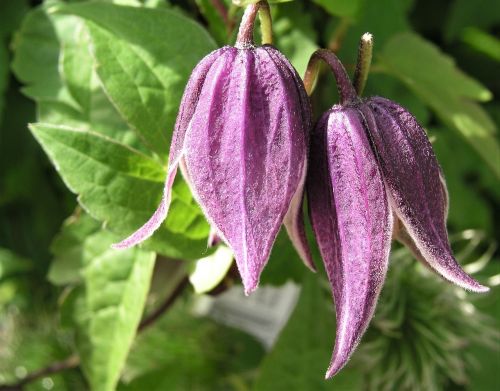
(187, 107)
(295, 227)
(245, 157)
(415, 185)
(352, 223)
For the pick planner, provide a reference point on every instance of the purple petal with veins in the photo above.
(415, 185)
(351, 220)
(246, 152)
(188, 105)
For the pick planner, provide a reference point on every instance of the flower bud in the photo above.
(241, 142)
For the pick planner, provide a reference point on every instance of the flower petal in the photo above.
(352, 223)
(415, 186)
(294, 219)
(187, 108)
(246, 154)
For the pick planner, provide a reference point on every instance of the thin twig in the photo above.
(69, 363)
(73, 361)
(157, 313)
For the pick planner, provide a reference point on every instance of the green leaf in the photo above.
(465, 13)
(144, 63)
(66, 86)
(69, 249)
(482, 42)
(36, 60)
(122, 187)
(301, 355)
(12, 264)
(109, 307)
(448, 91)
(344, 8)
(295, 34)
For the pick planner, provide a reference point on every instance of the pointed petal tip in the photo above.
(472, 285)
(250, 289)
(334, 368)
(251, 282)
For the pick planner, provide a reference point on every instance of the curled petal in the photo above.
(352, 223)
(294, 224)
(415, 186)
(246, 153)
(187, 107)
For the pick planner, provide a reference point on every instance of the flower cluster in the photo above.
(245, 143)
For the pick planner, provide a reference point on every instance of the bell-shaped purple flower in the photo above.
(241, 142)
(370, 161)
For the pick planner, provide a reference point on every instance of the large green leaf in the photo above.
(52, 57)
(69, 249)
(465, 13)
(122, 187)
(36, 46)
(448, 91)
(301, 355)
(108, 307)
(144, 62)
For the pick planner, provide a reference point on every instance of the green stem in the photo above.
(364, 61)
(245, 33)
(347, 93)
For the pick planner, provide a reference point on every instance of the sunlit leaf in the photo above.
(122, 187)
(108, 308)
(144, 63)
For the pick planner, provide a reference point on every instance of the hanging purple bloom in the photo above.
(370, 161)
(240, 141)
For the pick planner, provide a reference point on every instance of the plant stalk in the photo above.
(245, 33)
(364, 62)
(347, 92)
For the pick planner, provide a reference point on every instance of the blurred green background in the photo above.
(70, 306)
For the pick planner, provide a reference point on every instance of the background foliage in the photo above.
(100, 82)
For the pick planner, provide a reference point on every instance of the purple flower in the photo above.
(240, 141)
(370, 161)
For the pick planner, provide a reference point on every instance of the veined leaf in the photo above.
(144, 62)
(68, 248)
(448, 91)
(122, 187)
(108, 307)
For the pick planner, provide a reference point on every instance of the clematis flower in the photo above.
(370, 161)
(240, 140)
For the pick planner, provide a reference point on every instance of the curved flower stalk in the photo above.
(240, 141)
(372, 168)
